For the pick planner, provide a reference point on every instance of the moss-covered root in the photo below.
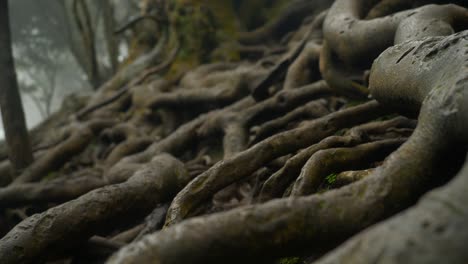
(281, 227)
(334, 160)
(47, 234)
(432, 231)
(245, 163)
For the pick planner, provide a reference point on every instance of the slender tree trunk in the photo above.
(16, 133)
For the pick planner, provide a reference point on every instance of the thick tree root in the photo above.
(345, 35)
(432, 231)
(59, 190)
(43, 235)
(288, 225)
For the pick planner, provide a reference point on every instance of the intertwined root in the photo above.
(439, 217)
(246, 133)
(42, 235)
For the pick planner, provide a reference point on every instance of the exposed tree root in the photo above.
(245, 163)
(434, 229)
(311, 110)
(246, 132)
(344, 32)
(54, 159)
(330, 161)
(303, 70)
(348, 177)
(262, 90)
(59, 190)
(230, 86)
(286, 224)
(290, 19)
(275, 186)
(98, 210)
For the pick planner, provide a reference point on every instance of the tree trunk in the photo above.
(10, 101)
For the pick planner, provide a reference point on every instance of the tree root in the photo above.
(59, 190)
(288, 225)
(344, 33)
(311, 110)
(305, 67)
(174, 143)
(275, 186)
(439, 217)
(348, 177)
(153, 221)
(333, 160)
(42, 235)
(59, 155)
(290, 19)
(243, 164)
(261, 91)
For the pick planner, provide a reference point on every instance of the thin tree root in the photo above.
(276, 185)
(59, 155)
(311, 110)
(334, 160)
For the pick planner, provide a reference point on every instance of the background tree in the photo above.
(16, 133)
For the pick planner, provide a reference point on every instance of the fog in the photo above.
(47, 69)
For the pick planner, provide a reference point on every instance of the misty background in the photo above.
(49, 50)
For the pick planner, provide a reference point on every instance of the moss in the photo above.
(341, 132)
(290, 260)
(50, 176)
(331, 178)
(205, 32)
(386, 117)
